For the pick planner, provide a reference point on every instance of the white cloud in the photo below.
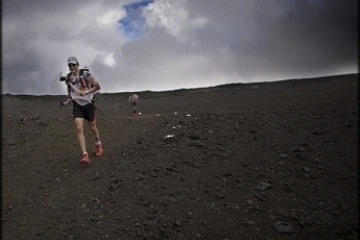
(184, 43)
(110, 18)
(109, 60)
(174, 17)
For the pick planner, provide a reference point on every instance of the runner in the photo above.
(87, 85)
(134, 100)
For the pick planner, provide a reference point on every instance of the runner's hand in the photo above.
(82, 93)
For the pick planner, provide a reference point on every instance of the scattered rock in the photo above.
(301, 156)
(283, 227)
(349, 124)
(264, 186)
(43, 123)
(298, 149)
(195, 137)
(178, 223)
(220, 195)
(169, 136)
(250, 202)
(352, 236)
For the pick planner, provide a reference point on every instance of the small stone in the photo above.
(264, 186)
(348, 124)
(336, 213)
(306, 169)
(250, 202)
(283, 155)
(282, 212)
(220, 195)
(352, 236)
(195, 137)
(283, 227)
(301, 156)
(178, 223)
(298, 149)
(180, 236)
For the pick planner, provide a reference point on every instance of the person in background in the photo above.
(134, 101)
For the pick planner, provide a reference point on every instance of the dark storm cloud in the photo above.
(309, 37)
(182, 44)
(287, 36)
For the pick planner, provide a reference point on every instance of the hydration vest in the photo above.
(83, 81)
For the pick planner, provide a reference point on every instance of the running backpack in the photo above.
(83, 81)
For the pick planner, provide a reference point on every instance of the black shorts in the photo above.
(87, 112)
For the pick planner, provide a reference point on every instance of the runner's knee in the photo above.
(79, 127)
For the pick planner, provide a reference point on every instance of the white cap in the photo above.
(72, 60)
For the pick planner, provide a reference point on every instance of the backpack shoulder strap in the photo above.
(68, 80)
(81, 73)
(84, 82)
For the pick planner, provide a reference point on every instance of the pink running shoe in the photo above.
(98, 149)
(85, 158)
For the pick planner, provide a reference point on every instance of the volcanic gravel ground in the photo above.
(261, 161)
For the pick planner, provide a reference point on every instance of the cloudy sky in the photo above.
(136, 45)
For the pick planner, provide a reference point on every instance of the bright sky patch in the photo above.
(133, 22)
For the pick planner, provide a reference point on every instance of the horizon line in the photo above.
(199, 88)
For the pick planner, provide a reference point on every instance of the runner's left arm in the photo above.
(93, 81)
